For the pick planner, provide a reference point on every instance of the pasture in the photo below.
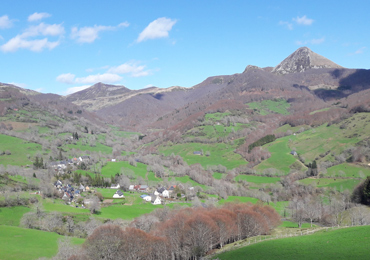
(20, 243)
(345, 243)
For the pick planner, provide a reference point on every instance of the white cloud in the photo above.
(34, 45)
(303, 20)
(312, 41)
(38, 16)
(131, 68)
(124, 24)
(43, 29)
(287, 24)
(88, 34)
(157, 29)
(5, 22)
(92, 79)
(22, 41)
(360, 51)
(67, 78)
(76, 89)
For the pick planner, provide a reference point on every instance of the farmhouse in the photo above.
(118, 195)
(197, 153)
(156, 201)
(115, 186)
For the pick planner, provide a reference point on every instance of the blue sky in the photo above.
(64, 46)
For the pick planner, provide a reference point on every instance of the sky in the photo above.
(65, 46)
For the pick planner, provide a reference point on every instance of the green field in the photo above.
(257, 179)
(216, 116)
(19, 150)
(290, 224)
(280, 158)
(20, 243)
(12, 216)
(338, 184)
(266, 107)
(112, 168)
(186, 179)
(220, 153)
(349, 170)
(346, 243)
(97, 148)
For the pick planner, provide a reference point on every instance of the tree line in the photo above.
(179, 234)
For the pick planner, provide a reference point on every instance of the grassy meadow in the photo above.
(346, 243)
(20, 243)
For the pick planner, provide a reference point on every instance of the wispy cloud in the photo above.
(34, 45)
(5, 22)
(22, 41)
(67, 78)
(131, 68)
(360, 51)
(159, 28)
(312, 41)
(76, 89)
(90, 34)
(303, 20)
(38, 16)
(287, 24)
(106, 78)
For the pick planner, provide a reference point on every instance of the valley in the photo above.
(234, 158)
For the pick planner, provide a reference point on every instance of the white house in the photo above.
(147, 198)
(115, 186)
(156, 201)
(165, 194)
(118, 195)
(131, 187)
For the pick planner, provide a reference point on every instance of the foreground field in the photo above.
(346, 243)
(20, 243)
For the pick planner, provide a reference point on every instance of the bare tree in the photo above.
(94, 205)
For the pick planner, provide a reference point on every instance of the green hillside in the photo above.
(346, 243)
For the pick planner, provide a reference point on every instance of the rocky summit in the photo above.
(303, 59)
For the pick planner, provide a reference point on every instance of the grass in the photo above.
(346, 243)
(186, 179)
(140, 170)
(97, 148)
(290, 224)
(59, 206)
(265, 107)
(349, 170)
(216, 116)
(12, 216)
(257, 179)
(20, 243)
(280, 156)
(338, 184)
(220, 153)
(320, 110)
(19, 150)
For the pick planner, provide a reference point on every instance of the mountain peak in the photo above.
(301, 60)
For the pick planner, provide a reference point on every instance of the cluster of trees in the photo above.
(179, 234)
(264, 140)
(39, 163)
(338, 210)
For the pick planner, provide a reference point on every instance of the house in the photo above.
(131, 187)
(118, 195)
(294, 153)
(143, 196)
(84, 158)
(115, 186)
(87, 188)
(166, 194)
(197, 153)
(58, 184)
(143, 188)
(82, 188)
(147, 198)
(156, 201)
